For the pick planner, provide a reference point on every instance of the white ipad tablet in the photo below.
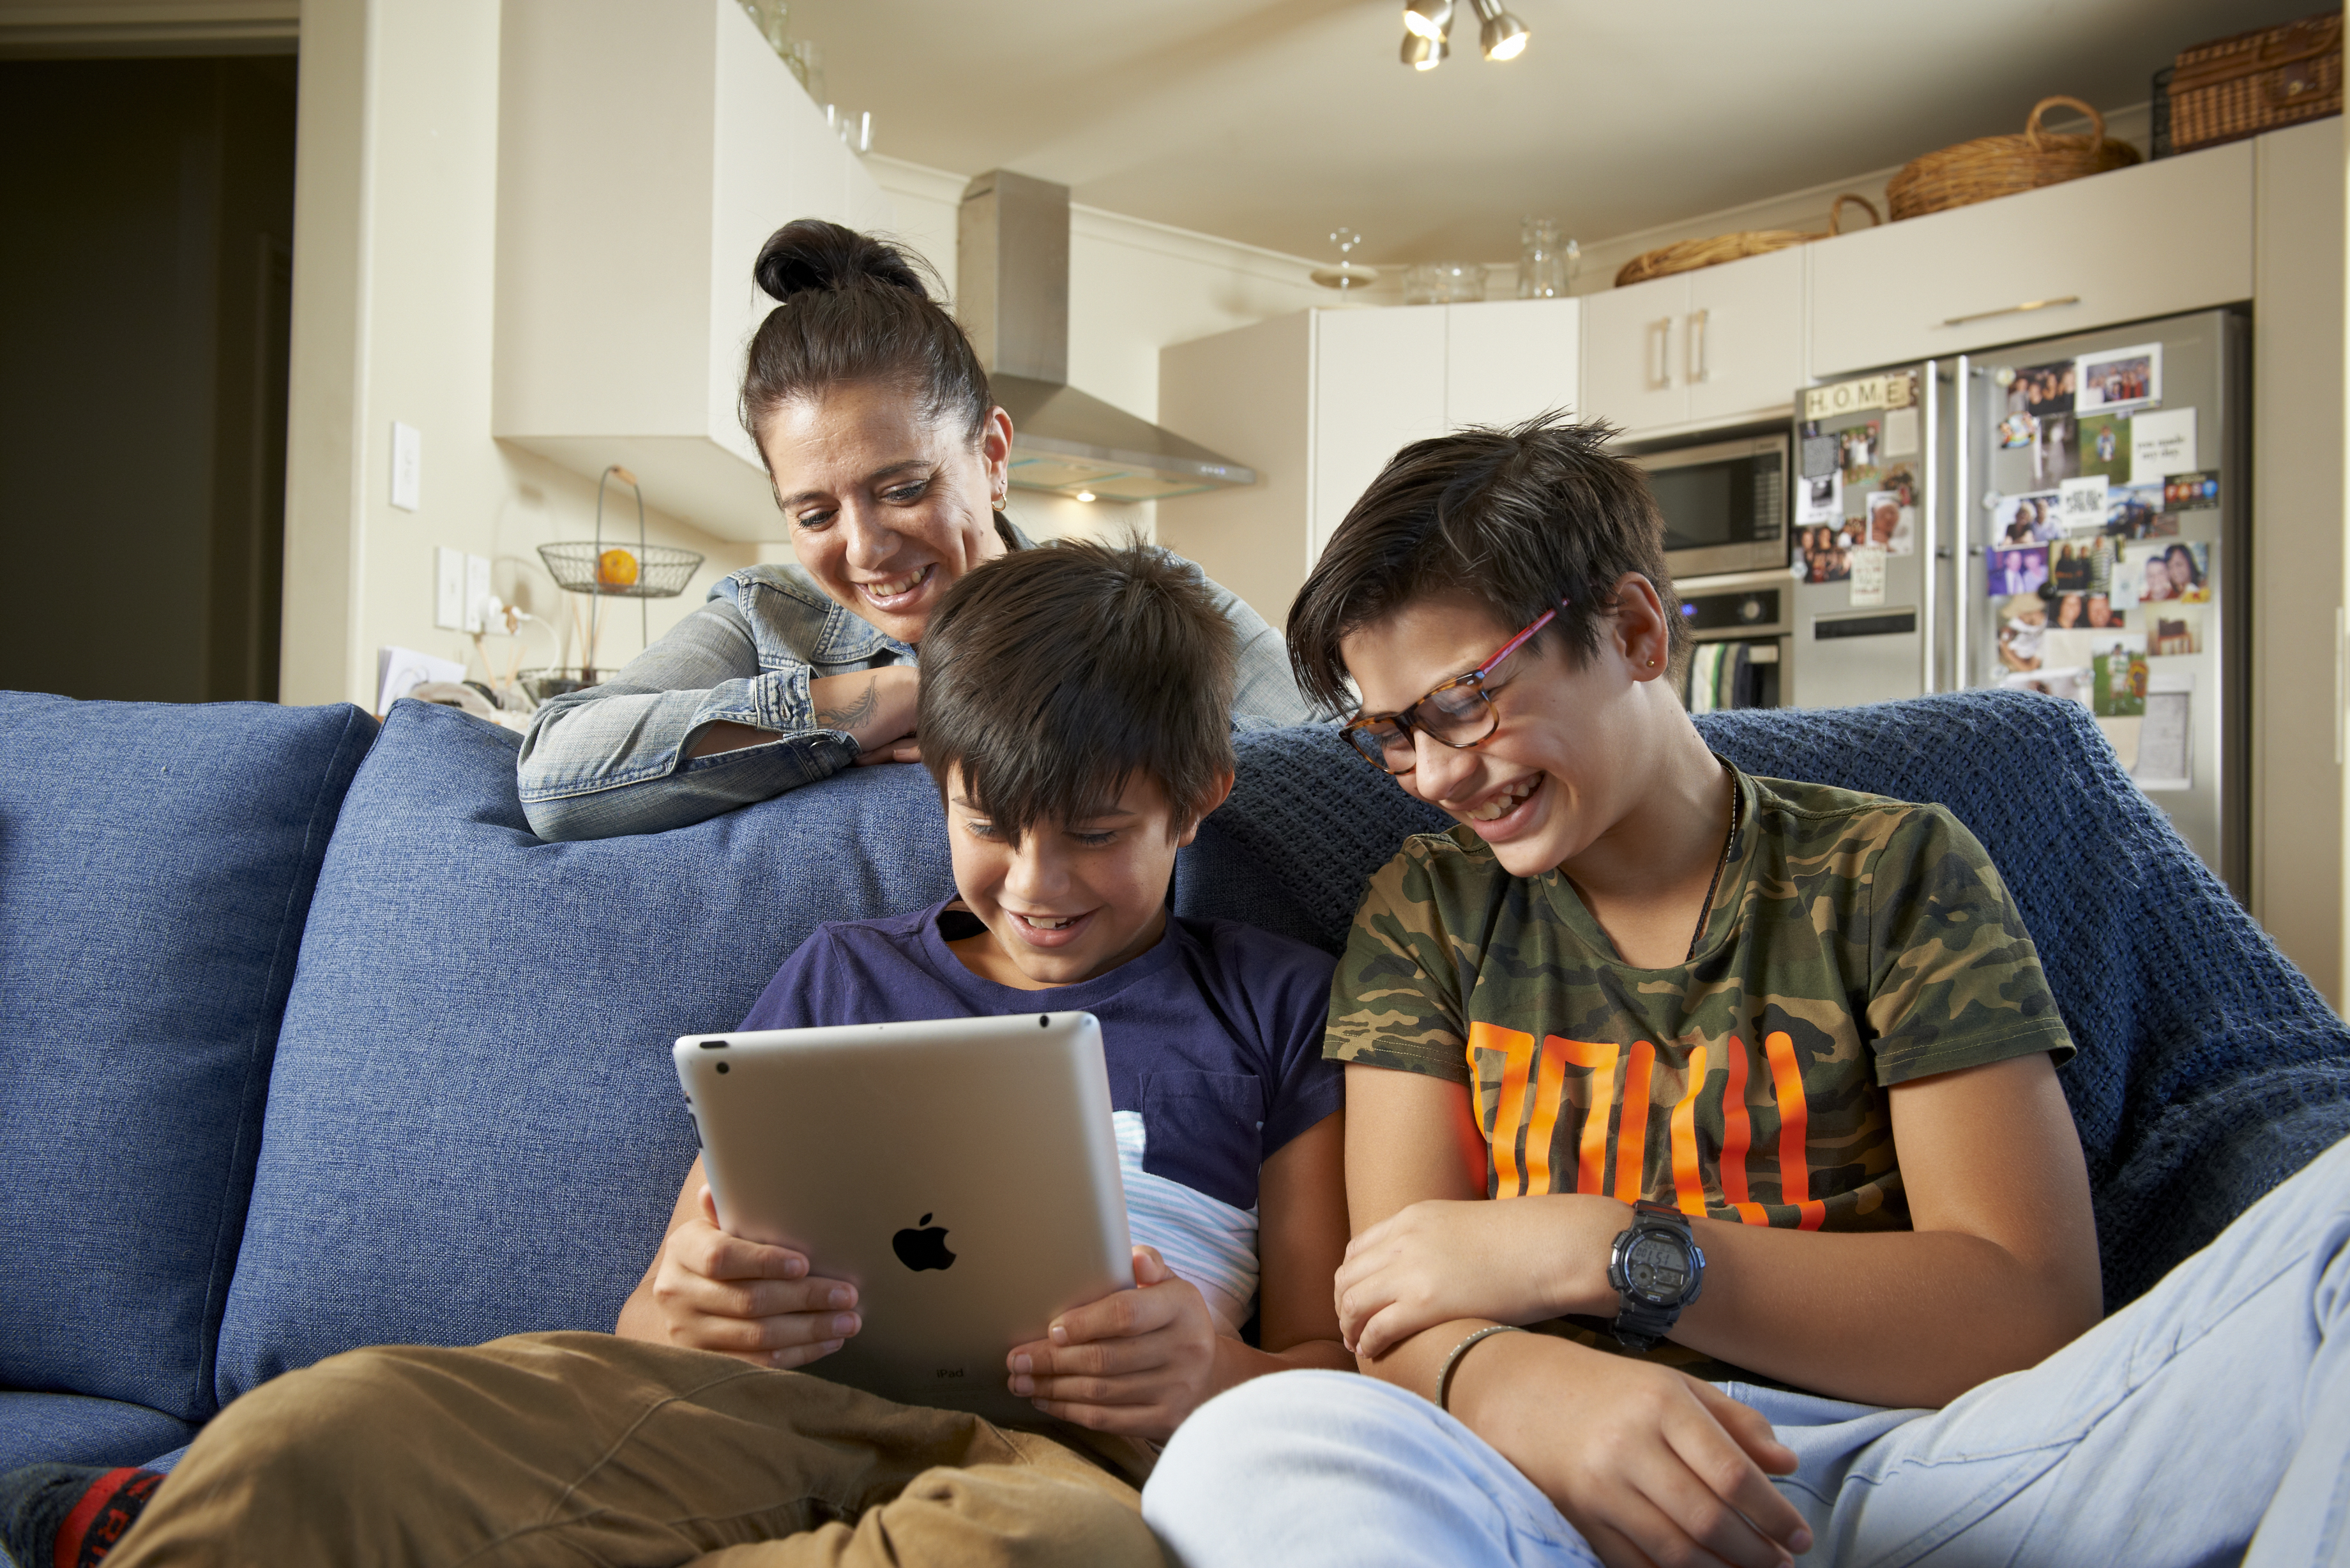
(963, 1174)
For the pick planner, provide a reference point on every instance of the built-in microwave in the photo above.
(1725, 504)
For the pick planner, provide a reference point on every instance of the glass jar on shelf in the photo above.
(1444, 283)
(1547, 265)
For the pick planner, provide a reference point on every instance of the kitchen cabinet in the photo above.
(644, 154)
(1318, 401)
(2159, 239)
(1713, 347)
(1378, 384)
(1508, 359)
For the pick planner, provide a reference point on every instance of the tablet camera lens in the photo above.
(722, 1066)
(1043, 1020)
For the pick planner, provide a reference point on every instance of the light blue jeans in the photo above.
(2210, 1415)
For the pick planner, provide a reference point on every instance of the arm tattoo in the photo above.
(856, 713)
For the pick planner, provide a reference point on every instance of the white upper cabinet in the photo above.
(1743, 339)
(1709, 346)
(1378, 384)
(1508, 359)
(2153, 240)
(1632, 340)
(644, 154)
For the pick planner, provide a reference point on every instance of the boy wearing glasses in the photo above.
(1741, 1094)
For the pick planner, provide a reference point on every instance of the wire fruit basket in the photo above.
(639, 572)
(604, 571)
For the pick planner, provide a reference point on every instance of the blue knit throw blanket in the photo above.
(2209, 1069)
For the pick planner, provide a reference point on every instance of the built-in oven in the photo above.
(1739, 623)
(1724, 502)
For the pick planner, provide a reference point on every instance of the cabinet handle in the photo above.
(2015, 309)
(1660, 353)
(1696, 366)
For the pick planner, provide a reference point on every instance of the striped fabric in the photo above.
(1208, 1242)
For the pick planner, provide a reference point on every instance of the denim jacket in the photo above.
(612, 760)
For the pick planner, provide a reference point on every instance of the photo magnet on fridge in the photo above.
(1867, 576)
(2178, 572)
(2120, 378)
(2025, 520)
(2105, 447)
(2082, 502)
(1820, 455)
(1861, 451)
(1900, 433)
(2174, 628)
(2161, 443)
(2017, 570)
(2042, 390)
(1820, 501)
(2022, 628)
(2188, 491)
(1889, 525)
(2018, 431)
(2090, 612)
(2134, 512)
(2117, 683)
(2068, 567)
(1822, 555)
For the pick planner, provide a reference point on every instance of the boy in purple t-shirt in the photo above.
(1073, 710)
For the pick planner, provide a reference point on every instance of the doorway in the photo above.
(145, 296)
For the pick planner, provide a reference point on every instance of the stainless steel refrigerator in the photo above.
(2070, 516)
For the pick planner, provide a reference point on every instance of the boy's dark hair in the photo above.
(1517, 519)
(1053, 675)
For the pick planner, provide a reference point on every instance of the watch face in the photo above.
(1657, 1265)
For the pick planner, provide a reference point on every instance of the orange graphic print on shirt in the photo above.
(1854, 943)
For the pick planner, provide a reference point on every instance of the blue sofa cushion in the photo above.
(76, 1429)
(156, 863)
(2209, 1069)
(475, 1129)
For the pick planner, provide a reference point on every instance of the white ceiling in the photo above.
(1272, 122)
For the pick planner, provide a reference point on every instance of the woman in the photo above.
(2186, 576)
(890, 462)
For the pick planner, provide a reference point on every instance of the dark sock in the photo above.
(71, 1516)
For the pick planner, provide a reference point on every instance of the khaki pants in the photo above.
(578, 1448)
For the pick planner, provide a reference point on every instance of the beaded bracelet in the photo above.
(1452, 1361)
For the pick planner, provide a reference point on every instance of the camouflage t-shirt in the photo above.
(1854, 944)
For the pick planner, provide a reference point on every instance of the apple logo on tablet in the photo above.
(922, 1249)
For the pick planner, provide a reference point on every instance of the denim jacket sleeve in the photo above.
(612, 759)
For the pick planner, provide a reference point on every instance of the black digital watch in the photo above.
(1657, 1269)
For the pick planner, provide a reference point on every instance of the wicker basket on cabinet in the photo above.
(1688, 255)
(1993, 166)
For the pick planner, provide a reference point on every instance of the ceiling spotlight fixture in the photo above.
(1428, 19)
(1422, 53)
(1502, 35)
(1084, 495)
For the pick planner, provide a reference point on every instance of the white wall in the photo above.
(394, 278)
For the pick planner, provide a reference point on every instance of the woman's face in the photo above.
(2182, 568)
(2157, 580)
(887, 505)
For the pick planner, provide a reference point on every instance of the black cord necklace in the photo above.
(1737, 801)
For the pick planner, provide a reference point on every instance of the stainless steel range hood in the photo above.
(1012, 287)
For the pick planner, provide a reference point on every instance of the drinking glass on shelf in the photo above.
(1443, 283)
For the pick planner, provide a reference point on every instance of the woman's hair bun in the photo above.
(808, 255)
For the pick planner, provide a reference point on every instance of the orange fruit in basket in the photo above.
(616, 568)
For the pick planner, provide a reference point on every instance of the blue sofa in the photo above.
(306, 1042)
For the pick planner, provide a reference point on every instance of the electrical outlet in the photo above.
(407, 466)
(477, 592)
(449, 589)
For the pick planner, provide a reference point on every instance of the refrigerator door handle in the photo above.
(1961, 521)
(1930, 389)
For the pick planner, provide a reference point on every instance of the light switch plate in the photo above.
(477, 591)
(407, 466)
(449, 589)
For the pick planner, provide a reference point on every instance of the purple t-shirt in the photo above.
(1214, 1036)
